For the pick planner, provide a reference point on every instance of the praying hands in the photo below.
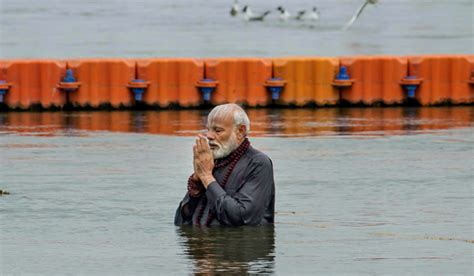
(203, 161)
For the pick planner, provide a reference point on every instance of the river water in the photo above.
(197, 28)
(366, 191)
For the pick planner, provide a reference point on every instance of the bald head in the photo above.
(224, 111)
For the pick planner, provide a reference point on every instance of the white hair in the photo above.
(223, 110)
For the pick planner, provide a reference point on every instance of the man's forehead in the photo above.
(224, 120)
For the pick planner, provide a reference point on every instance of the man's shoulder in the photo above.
(258, 157)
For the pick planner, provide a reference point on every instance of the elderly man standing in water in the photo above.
(232, 183)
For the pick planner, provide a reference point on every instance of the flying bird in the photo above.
(249, 16)
(357, 13)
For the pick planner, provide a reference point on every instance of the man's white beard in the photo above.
(224, 149)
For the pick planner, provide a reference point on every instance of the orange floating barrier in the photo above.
(240, 80)
(275, 82)
(5, 85)
(133, 84)
(172, 81)
(275, 87)
(187, 82)
(32, 82)
(206, 88)
(376, 79)
(445, 79)
(308, 80)
(103, 82)
(69, 86)
(471, 77)
(411, 80)
(342, 83)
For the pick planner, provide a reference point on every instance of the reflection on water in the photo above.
(264, 122)
(96, 199)
(230, 250)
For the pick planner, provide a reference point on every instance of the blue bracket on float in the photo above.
(206, 87)
(275, 87)
(342, 75)
(69, 76)
(342, 78)
(69, 83)
(410, 84)
(138, 87)
(4, 87)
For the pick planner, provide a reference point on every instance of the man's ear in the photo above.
(241, 130)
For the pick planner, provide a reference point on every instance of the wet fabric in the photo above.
(248, 198)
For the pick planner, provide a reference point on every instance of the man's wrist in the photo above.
(206, 180)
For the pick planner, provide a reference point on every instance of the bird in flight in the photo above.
(358, 13)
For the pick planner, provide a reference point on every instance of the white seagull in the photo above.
(235, 8)
(313, 15)
(357, 13)
(284, 14)
(249, 16)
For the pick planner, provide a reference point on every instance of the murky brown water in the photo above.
(365, 191)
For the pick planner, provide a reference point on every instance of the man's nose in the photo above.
(210, 135)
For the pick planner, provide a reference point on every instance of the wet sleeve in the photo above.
(184, 212)
(247, 205)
